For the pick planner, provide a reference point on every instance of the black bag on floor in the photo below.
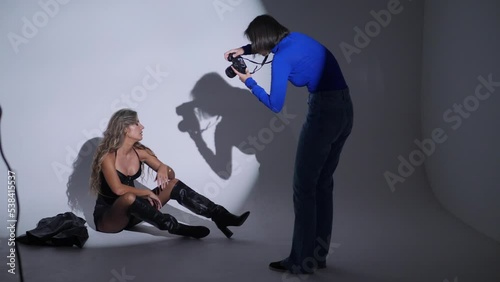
(64, 229)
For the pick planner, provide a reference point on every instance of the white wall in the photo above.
(460, 52)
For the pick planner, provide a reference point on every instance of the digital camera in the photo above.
(238, 64)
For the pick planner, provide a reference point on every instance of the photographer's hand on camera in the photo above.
(236, 52)
(243, 76)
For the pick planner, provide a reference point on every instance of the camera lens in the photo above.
(230, 72)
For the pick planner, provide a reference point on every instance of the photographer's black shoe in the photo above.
(280, 267)
(277, 266)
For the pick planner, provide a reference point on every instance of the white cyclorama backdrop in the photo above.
(66, 67)
(67, 79)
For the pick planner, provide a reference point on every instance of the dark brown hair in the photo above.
(265, 32)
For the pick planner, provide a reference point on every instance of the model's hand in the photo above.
(162, 176)
(237, 52)
(154, 200)
(243, 76)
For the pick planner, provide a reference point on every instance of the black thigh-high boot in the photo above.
(142, 209)
(199, 204)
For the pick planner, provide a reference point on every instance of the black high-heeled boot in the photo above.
(143, 210)
(199, 204)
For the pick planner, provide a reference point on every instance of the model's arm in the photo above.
(109, 171)
(164, 173)
(279, 82)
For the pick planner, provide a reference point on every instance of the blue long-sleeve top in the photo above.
(303, 61)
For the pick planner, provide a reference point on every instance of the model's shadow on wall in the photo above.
(243, 122)
(80, 198)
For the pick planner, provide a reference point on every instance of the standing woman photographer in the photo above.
(305, 62)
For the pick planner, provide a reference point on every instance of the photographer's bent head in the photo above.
(265, 32)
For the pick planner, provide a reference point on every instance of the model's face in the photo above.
(134, 131)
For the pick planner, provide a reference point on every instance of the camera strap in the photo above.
(264, 62)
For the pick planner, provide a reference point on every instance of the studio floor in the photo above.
(427, 245)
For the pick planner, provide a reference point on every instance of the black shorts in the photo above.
(99, 211)
(101, 207)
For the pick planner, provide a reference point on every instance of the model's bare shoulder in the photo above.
(144, 154)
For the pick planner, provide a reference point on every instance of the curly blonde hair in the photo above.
(112, 140)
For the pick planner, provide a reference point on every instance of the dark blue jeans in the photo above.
(328, 124)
